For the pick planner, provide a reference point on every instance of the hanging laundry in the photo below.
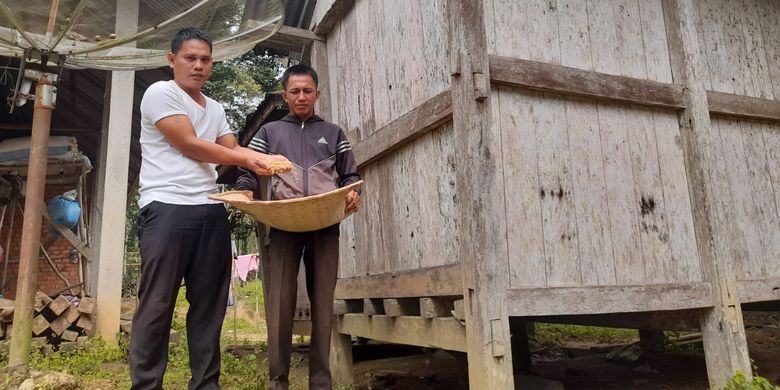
(244, 265)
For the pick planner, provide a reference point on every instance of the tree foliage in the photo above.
(240, 84)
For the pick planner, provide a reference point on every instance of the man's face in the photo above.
(192, 64)
(300, 95)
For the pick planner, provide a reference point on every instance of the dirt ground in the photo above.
(570, 365)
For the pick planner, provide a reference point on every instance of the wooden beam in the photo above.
(759, 290)
(327, 13)
(434, 281)
(81, 246)
(444, 333)
(410, 126)
(684, 320)
(526, 302)
(743, 106)
(482, 251)
(545, 77)
(722, 327)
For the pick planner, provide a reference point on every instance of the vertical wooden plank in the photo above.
(622, 201)
(771, 132)
(512, 28)
(630, 46)
(413, 50)
(729, 241)
(654, 37)
(336, 73)
(347, 248)
(319, 61)
(769, 14)
(714, 42)
(596, 258)
(559, 225)
(603, 41)
(341, 357)
(745, 213)
(351, 76)
(682, 237)
(543, 41)
(733, 10)
(574, 34)
(379, 60)
(480, 184)
(755, 50)
(521, 180)
(397, 87)
(765, 211)
(723, 331)
(365, 64)
(425, 189)
(375, 187)
(436, 46)
(387, 219)
(653, 215)
(449, 233)
(674, 44)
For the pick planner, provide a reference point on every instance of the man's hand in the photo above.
(353, 201)
(266, 165)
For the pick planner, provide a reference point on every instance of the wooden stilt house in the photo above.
(607, 162)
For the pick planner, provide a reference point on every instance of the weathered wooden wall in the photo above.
(741, 41)
(381, 68)
(599, 189)
(383, 64)
(408, 219)
(745, 175)
(598, 193)
(623, 37)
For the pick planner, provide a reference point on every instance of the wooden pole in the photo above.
(723, 330)
(31, 230)
(484, 255)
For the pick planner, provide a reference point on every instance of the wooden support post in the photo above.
(31, 229)
(483, 257)
(111, 202)
(723, 332)
(521, 352)
(341, 357)
(651, 340)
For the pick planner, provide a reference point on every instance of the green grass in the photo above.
(558, 335)
(104, 365)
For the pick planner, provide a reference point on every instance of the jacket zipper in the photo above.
(305, 172)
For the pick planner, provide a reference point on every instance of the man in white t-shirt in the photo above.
(182, 233)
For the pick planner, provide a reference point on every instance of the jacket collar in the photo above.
(294, 119)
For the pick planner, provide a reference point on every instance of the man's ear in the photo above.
(171, 58)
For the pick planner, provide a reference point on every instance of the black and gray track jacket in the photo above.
(319, 151)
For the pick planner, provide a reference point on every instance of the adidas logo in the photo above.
(322, 141)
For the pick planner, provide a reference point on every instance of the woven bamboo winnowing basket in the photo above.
(293, 215)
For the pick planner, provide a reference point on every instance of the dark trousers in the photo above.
(320, 251)
(193, 243)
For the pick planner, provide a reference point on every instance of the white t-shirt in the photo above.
(167, 175)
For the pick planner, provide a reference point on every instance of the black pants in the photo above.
(193, 243)
(320, 251)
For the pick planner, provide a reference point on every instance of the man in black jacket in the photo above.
(322, 161)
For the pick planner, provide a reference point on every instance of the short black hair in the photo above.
(187, 34)
(299, 70)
